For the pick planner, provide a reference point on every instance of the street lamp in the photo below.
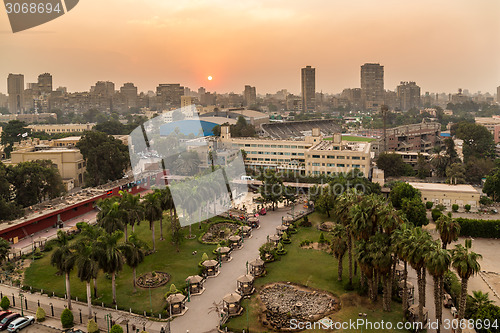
(108, 320)
(362, 315)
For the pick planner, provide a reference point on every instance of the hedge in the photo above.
(67, 318)
(479, 228)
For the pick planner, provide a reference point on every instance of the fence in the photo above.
(130, 323)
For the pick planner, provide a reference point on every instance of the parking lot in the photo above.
(37, 328)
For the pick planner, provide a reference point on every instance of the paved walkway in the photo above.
(198, 319)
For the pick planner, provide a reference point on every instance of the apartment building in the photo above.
(62, 128)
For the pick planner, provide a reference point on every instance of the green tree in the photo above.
(478, 168)
(152, 212)
(492, 185)
(92, 326)
(423, 167)
(400, 191)
(479, 300)
(11, 133)
(35, 181)
(116, 329)
(110, 216)
(392, 164)
(466, 264)
(110, 256)
(63, 259)
(107, 158)
(187, 163)
(438, 261)
(4, 250)
(4, 303)
(339, 247)
(478, 141)
(134, 252)
(324, 203)
(448, 229)
(272, 188)
(414, 210)
(86, 267)
(132, 210)
(455, 174)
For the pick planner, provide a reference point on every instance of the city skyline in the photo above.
(441, 46)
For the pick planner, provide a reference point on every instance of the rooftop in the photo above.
(444, 187)
(345, 146)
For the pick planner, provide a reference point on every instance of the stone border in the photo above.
(157, 286)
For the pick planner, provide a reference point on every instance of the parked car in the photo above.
(4, 323)
(4, 314)
(263, 211)
(20, 323)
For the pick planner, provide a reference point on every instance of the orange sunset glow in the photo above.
(441, 45)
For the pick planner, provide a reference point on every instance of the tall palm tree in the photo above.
(466, 264)
(166, 202)
(131, 209)
(381, 252)
(110, 216)
(110, 257)
(86, 266)
(418, 245)
(438, 261)
(400, 241)
(133, 251)
(339, 247)
(364, 258)
(63, 259)
(448, 228)
(152, 212)
(91, 233)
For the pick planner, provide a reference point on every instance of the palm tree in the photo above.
(418, 245)
(110, 216)
(400, 241)
(133, 251)
(479, 300)
(152, 212)
(4, 250)
(91, 233)
(87, 267)
(448, 229)
(131, 209)
(365, 260)
(166, 202)
(381, 252)
(110, 257)
(63, 259)
(466, 264)
(438, 261)
(339, 247)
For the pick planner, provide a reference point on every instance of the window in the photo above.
(356, 166)
(356, 158)
(300, 154)
(340, 157)
(330, 156)
(341, 165)
(316, 164)
(330, 164)
(316, 156)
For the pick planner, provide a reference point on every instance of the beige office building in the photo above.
(310, 155)
(70, 162)
(449, 195)
(62, 128)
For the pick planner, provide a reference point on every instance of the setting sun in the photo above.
(209, 78)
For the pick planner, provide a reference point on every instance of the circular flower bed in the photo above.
(219, 232)
(152, 279)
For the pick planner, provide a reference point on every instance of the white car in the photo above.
(20, 323)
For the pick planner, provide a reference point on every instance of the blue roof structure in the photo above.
(196, 127)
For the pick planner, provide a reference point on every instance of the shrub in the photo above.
(305, 242)
(116, 329)
(4, 303)
(305, 222)
(484, 200)
(467, 207)
(479, 228)
(321, 238)
(441, 207)
(454, 207)
(67, 318)
(80, 225)
(40, 314)
(429, 204)
(436, 213)
(204, 257)
(281, 250)
(92, 326)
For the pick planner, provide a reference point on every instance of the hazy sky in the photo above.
(442, 45)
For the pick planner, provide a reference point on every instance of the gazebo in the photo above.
(410, 288)
(224, 252)
(281, 229)
(195, 283)
(231, 304)
(211, 268)
(14, 252)
(274, 239)
(246, 231)
(253, 222)
(286, 220)
(413, 316)
(257, 267)
(245, 285)
(176, 304)
(236, 241)
(39, 242)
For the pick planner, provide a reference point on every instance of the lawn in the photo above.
(179, 265)
(315, 269)
(353, 138)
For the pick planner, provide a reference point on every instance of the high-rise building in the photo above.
(45, 83)
(186, 101)
(129, 93)
(372, 86)
(15, 89)
(170, 94)
(250, 96)
(103, 88)
(308, 88)
(498, 94)
(408, 95)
